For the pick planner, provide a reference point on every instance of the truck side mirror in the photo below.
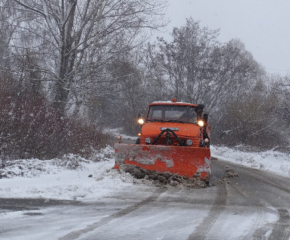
(200, 108)
(205, 117)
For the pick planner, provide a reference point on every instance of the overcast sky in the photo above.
(262, 25)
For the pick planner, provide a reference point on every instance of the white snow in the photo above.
(75, 178)
(272, 161)
(71, 178)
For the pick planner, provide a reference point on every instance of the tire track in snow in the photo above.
(215, 211)
(126, 211)
(253, 201)
(274, 231)
(223, 194)
(270, 179)
(261, 233)
(281, 228)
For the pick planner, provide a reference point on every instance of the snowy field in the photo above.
(75, 178)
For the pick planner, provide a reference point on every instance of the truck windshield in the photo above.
(169, 113)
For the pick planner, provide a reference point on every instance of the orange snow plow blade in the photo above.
(181, 160)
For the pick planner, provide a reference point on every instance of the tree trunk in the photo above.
(68, 56)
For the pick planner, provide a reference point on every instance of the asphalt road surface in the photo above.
(254, 205)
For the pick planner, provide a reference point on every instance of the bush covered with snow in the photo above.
(35, 167)
(31, 128)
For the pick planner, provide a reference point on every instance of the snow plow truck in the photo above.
(175, 138)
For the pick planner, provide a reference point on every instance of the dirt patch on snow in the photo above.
(231, 173)
(162, 179)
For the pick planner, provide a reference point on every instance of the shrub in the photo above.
(31, 128)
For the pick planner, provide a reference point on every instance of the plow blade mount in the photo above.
(181, 160)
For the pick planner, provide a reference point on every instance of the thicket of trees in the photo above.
(69, 68)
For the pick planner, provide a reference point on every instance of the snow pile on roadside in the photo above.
(30, 168)
(72, 178)
(271, 161)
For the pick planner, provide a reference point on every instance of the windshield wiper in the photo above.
(155, 120)
(178, 121)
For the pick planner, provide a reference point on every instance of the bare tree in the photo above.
(155, 75)
(81, 36)
(189, 60)
(199, 69)
(8, 24)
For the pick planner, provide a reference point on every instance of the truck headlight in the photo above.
(200, 123)
(140, 121)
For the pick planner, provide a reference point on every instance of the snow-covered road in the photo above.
(103, 204)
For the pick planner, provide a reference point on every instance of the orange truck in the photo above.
(175, 138)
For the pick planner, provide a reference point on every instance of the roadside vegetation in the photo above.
(32, 128)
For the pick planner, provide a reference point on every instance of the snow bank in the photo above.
(71, 178)
(271, 161)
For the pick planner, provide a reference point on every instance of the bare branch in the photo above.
(30, 8)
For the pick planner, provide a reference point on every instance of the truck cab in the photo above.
(175, 123)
